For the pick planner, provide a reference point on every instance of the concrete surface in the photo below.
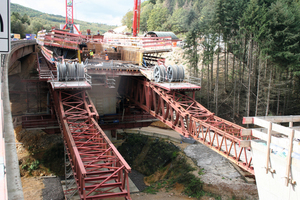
(53, 189)
(14, 185)
(273, 185)
(155, 132)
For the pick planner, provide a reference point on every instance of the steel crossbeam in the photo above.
(98, 168)
(189, 118)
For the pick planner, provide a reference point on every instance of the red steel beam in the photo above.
(99, 169)
(189, 118)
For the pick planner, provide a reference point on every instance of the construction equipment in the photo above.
(69, 17)
(136, 17)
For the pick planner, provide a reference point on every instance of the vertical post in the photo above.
(268, 148)
(289, 157)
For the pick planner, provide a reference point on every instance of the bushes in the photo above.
(162, 162)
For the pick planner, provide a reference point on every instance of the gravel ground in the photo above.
(138, 179)
(53, 189)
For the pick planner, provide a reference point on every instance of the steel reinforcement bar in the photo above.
(189, 118)
(99, 170)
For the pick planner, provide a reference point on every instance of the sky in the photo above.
(100, 11)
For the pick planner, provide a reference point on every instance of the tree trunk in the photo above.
(208, 86)
(233, 102)
(225, 67)
(217, 78)
(278, 98)
(257, 87)
(269, 92)
(239, 89)
(249, 78)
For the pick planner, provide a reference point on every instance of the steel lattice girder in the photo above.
(189, 118)
(99, 169)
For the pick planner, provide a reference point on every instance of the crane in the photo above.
(136, 17)
(69, 17)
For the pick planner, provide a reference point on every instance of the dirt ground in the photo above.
(36, 141)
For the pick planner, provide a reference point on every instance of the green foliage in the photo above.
(152, 189)
(152, 1)
(127, 19)
(145, 13)
(34, 165)
(26, 20)
(201, 171)
(129, 153)
(31, 166)
(154, 153)
(158, 16)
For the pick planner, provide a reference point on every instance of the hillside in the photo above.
(50, 20)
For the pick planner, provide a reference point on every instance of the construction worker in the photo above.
(106, 56)
(91, 54)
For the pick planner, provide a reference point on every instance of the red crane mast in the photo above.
(69, 17)
(136, 17)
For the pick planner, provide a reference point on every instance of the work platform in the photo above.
(57, 85)
(178, 86)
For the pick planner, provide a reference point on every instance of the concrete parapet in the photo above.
(14, 185)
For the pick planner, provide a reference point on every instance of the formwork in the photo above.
(276, 156)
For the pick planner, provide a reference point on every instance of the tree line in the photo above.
(26, 20)
(245, 51)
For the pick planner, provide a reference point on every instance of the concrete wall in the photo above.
(272, 185)
(104, 98)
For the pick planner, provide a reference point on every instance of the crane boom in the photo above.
(136, 17)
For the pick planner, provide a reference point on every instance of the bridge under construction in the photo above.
(124, 83)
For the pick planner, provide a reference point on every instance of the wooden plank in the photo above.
(282, 142)
(289, 159)
(248, 120)
(276, 119)
(268, 145)
(282, 129)
(246, 132)
(245, 143)
(281, 119)
(261, 122)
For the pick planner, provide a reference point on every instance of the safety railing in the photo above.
(141, 42)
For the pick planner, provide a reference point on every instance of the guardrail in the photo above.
(142, 42)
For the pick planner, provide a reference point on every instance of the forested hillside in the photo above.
(26, 20)
(246, 51)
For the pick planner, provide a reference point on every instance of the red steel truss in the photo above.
(191, 119)
(99, 169)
